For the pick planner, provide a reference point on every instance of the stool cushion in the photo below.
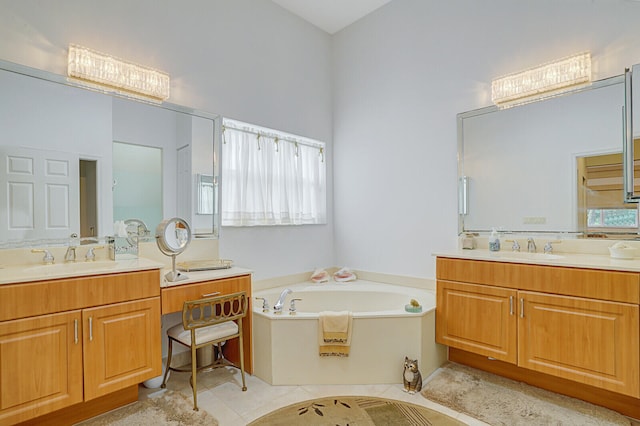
(204, 334)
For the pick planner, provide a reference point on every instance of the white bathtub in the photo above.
(286, 346)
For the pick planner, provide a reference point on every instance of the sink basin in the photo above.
(71, 267)
(530, 256)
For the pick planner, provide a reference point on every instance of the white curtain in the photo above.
(267, 180)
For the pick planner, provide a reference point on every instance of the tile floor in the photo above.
(220, 393)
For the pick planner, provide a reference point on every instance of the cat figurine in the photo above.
(411, 377)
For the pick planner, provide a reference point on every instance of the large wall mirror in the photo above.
(553, 166)
(632, 132)
(75, 160)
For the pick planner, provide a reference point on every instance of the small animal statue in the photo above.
(412, 378)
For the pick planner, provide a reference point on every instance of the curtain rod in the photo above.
(319, 145)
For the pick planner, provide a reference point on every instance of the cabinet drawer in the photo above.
(174, 297)
(590, 283)
(44, 297)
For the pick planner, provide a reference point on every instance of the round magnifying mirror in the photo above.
(173, 237)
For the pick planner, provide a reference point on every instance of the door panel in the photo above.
(40, 365)
(463, 313)
(589, 341)
(121, 345)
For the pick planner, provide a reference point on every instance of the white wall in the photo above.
(245, 59)
(389, 101)
(402, 74)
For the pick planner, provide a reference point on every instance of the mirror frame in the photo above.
(216, 118)
(164, 228)
(462, 184)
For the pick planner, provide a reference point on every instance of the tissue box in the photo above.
(121, 248)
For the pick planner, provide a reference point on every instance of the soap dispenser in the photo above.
(494, 241)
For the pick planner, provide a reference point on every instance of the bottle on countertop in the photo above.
(494, 241)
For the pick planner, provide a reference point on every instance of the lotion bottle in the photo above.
(494, 241)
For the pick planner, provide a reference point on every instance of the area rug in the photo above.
(500, 401)
(354, 410)
(166, 409)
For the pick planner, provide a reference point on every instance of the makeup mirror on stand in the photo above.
(173, 237)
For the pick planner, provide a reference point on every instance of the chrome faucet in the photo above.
(48, 257)
(292, 306)
(90, 256)
(548, 248)
(277, 308)
(515, 246)
(70, 255)
(265, 304)
(74, 242)
(531, 245)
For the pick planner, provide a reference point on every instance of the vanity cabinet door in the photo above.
(121, 345)
(588, 341)
(477, 318)
(40, 365)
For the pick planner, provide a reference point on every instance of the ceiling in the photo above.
(331, 15)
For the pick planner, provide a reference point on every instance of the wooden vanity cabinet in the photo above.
(40, 365)
(173, 298)
(592, 340)
(121, 346)
(477, 318)
(53, 361)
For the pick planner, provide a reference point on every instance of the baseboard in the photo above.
(86, 410)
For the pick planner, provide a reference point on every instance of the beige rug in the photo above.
(500, 401)
(166, 409)
(354, 410)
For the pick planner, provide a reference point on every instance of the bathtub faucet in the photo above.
(277, 308)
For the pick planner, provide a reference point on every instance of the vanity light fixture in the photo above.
(95, 67)
(542, 81)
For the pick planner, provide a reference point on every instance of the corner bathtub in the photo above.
(286, 346)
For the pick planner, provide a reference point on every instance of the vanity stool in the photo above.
(205, 322)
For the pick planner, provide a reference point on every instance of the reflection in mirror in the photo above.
(88, 199)
(601, 208)
(46, 113)
(137, 183)
(205, 189)
(520, 163)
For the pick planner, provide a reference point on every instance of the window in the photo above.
(601, 193)
(612, 218)
(271, 177)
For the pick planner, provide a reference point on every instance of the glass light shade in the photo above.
(546, 79)
(96, 67)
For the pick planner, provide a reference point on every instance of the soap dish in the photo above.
(413, 307)
(622, 252)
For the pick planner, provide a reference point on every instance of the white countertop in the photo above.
(571, 260)
(12, 274)
(199, 276)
